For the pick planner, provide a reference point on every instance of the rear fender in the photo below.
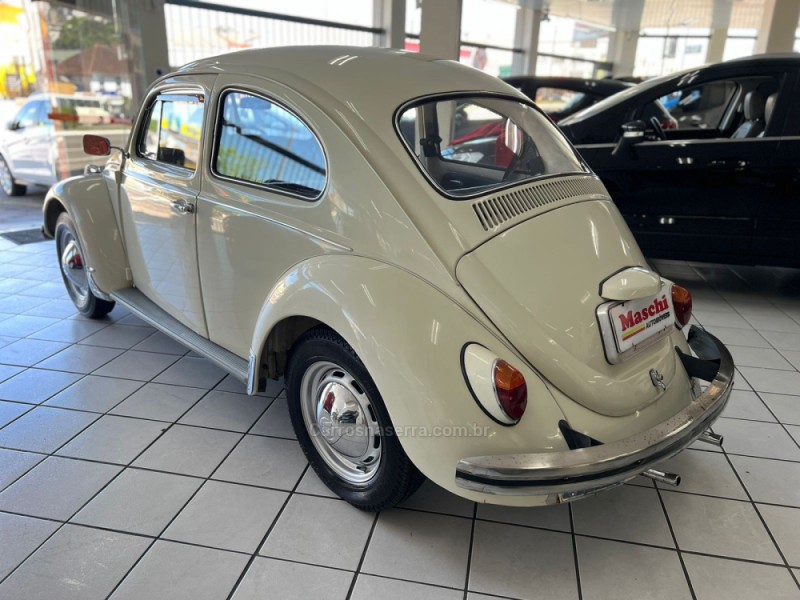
(410, 336)
(86, 199)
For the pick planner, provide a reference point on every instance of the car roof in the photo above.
(354, 74)
(744, 64)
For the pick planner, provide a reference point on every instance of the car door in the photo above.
(695, 194)
(159, 190)
(263, 189)
(776, 239)
(40, 144)
(18, 152)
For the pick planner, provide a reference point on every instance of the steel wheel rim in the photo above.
(73, 267)
(5, 177)
(341, 422)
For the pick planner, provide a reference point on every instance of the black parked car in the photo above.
(478, 134)
(716, 180)
(560, 97)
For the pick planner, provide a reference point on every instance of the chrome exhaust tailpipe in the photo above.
(672, 479)
(714, 439)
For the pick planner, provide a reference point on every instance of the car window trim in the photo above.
(168, 95)
(442, 96)
(218, 123)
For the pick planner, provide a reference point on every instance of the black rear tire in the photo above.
(82, 297)
(395, 478)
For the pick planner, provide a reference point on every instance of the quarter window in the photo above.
(559, 100)
(172, 131)
(262, 143)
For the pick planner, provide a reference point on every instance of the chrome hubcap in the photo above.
(5, 177)
(73, 267)
(341, 422)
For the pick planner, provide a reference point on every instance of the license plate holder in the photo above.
(635, 322)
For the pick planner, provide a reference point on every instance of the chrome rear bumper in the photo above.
(573, 473)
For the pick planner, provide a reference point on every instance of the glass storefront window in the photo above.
(663, 51)
(565, 36)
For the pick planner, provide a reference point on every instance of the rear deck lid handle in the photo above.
(630, 284)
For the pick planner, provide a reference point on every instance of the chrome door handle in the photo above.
(182, 207)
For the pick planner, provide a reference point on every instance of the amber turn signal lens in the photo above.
(511, 390)
(682, 300)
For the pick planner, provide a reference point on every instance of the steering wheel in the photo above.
(657, 128)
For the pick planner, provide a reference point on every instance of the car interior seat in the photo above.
(753, 125)
(769, 105)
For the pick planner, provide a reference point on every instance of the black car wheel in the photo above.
(74, 271)
(342, 424)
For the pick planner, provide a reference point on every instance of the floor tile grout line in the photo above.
(260, 545)
(761, 518)
(95, 495)
(781, 423)
(363, 556)
(471, 548)
(191, 497)
(108, 413)
(575, 552)
(130, 533)
(675, 541)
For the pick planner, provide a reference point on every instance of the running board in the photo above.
(147, 310)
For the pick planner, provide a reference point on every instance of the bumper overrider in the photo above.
(570, 474)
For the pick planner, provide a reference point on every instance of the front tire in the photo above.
(74, 270)
(10, 187)
(342, 424)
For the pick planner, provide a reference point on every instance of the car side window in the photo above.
(260, 142)
(171, 132)
(702, 106)
(557, 100)
(696, 107)
(28, 116)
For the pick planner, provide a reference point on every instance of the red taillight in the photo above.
(511, 390)
(682, 300)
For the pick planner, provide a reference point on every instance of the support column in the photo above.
(627, 18)
(778, 26)
(720, 20)
(143, 32)
(390, 15)
(526, 35)
(440, 32)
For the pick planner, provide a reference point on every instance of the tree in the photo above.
(82, 32)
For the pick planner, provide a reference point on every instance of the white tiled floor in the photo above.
(131, 469)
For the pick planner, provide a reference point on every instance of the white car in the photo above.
(42, 142)
(493, 328)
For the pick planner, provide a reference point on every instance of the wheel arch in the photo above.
(281, 339)
(409, 335)
(87, 200)
(51, 210)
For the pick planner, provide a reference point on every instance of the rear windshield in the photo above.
(471, 145)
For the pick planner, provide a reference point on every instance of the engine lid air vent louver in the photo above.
(493, 212)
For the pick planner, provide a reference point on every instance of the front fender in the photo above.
(410, 336)
(86, 199)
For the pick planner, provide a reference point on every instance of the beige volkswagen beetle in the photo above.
(480, 315)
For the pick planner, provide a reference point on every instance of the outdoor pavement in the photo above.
(132, 469)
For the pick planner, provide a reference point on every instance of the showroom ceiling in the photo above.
(746, 14)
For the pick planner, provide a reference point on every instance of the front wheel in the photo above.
(10, 187)
(342, 424)
(74, 271)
